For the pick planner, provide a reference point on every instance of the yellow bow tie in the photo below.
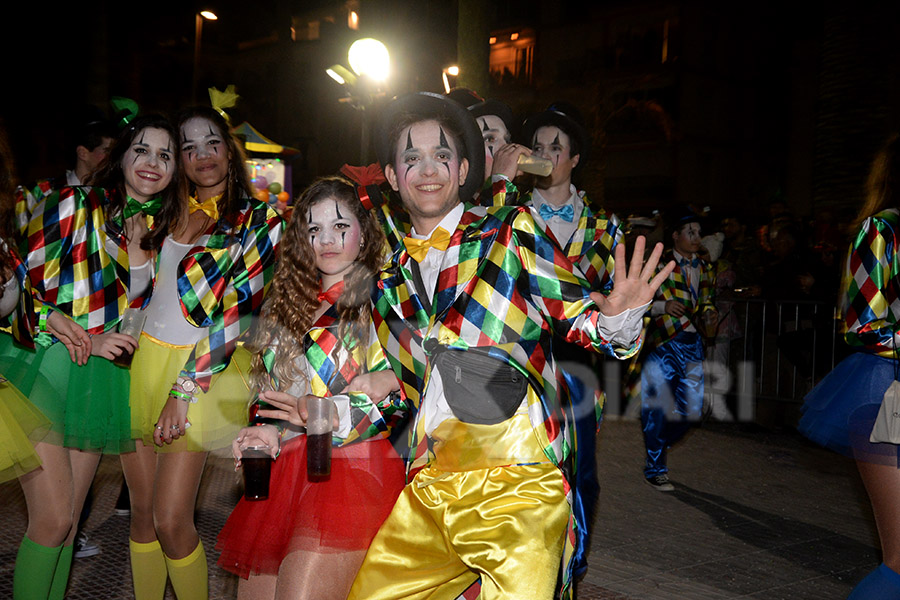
(209, 206)
(417, 248)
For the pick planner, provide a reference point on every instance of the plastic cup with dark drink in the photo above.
(257, 465)
(319, 425)
(132, 324)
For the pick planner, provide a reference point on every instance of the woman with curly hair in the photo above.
(87, 258)
(187, 393)
(309, 537)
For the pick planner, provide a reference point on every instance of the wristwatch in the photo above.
(188, 386)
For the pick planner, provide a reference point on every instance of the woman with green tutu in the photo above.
(87, 257)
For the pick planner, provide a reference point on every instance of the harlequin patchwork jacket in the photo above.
(871, 298)
(331, 367)
(665, 327)
(222, 281)
(591, 246)
(505, 290)
(77, 260)
(23, 318)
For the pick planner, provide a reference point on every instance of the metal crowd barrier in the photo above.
(782, 349)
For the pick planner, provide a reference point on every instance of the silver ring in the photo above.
(174, 427)
(159, 427)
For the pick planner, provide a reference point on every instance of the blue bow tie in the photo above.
(566, 213)
(684, 262)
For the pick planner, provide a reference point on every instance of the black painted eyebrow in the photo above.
(409, 144)
(556, 139)
(337, 210)
(485, 125)
(443, 141)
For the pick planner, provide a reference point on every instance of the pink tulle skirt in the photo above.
(339, 514)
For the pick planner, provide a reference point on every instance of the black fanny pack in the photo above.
(479, 388)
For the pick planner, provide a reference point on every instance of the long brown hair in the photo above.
(111, 177)
(292, 300)
(884, 177)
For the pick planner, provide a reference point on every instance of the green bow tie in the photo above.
(149, 208)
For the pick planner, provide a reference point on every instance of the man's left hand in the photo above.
(635, 286)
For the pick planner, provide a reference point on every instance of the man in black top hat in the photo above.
(466, 309)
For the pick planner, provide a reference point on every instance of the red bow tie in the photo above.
(331, 294)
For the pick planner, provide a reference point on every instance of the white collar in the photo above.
(449, 223)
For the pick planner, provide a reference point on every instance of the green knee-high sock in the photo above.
(148, 570)
(35, 565)
(189, 575)
(61, 575)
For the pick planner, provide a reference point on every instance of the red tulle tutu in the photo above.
(339, 514)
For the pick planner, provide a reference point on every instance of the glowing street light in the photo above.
(198, 30)
(453, 71)
(370, 57)
(371, 64)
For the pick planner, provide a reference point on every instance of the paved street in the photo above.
(756, 514)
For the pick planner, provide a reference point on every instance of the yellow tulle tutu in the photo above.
(21, 425)
(217, 415)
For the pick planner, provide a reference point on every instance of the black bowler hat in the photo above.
(464, 96)
(498, 109)
(424, 106)
(565, 116)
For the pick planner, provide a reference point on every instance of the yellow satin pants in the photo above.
(505, 523)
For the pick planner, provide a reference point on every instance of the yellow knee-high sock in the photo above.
(148, 570)
(189, 575)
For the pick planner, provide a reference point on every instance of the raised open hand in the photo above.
(636, 285)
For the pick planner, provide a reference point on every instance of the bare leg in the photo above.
(174, 498)
(49, 496)
(139, 468)
(257, 587)
(883, 486)
(313, 576)
(84, 467)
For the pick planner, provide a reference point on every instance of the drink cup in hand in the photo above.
(319, 425)
(257, 465)
(132, 324)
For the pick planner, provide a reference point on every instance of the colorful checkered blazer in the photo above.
(27, 197)
(592, 245)
(665, 327)
(871, 287)
(222, 281)
(506, 290)
(77, 260)
(331, 368)
(22, 321)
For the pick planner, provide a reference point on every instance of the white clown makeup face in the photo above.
(495, 135)
(687, 239)
(205, 156)
(427, 172)
(553, 143)
(148, 164)
(335, 235)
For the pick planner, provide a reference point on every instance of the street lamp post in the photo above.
(198, 30)
(370, 62)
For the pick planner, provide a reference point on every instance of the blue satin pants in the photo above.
(671, 396)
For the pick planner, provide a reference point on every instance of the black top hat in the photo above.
(498, 109)
(565, 116)
(680, 216)
(464, 96)
(424, 106)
